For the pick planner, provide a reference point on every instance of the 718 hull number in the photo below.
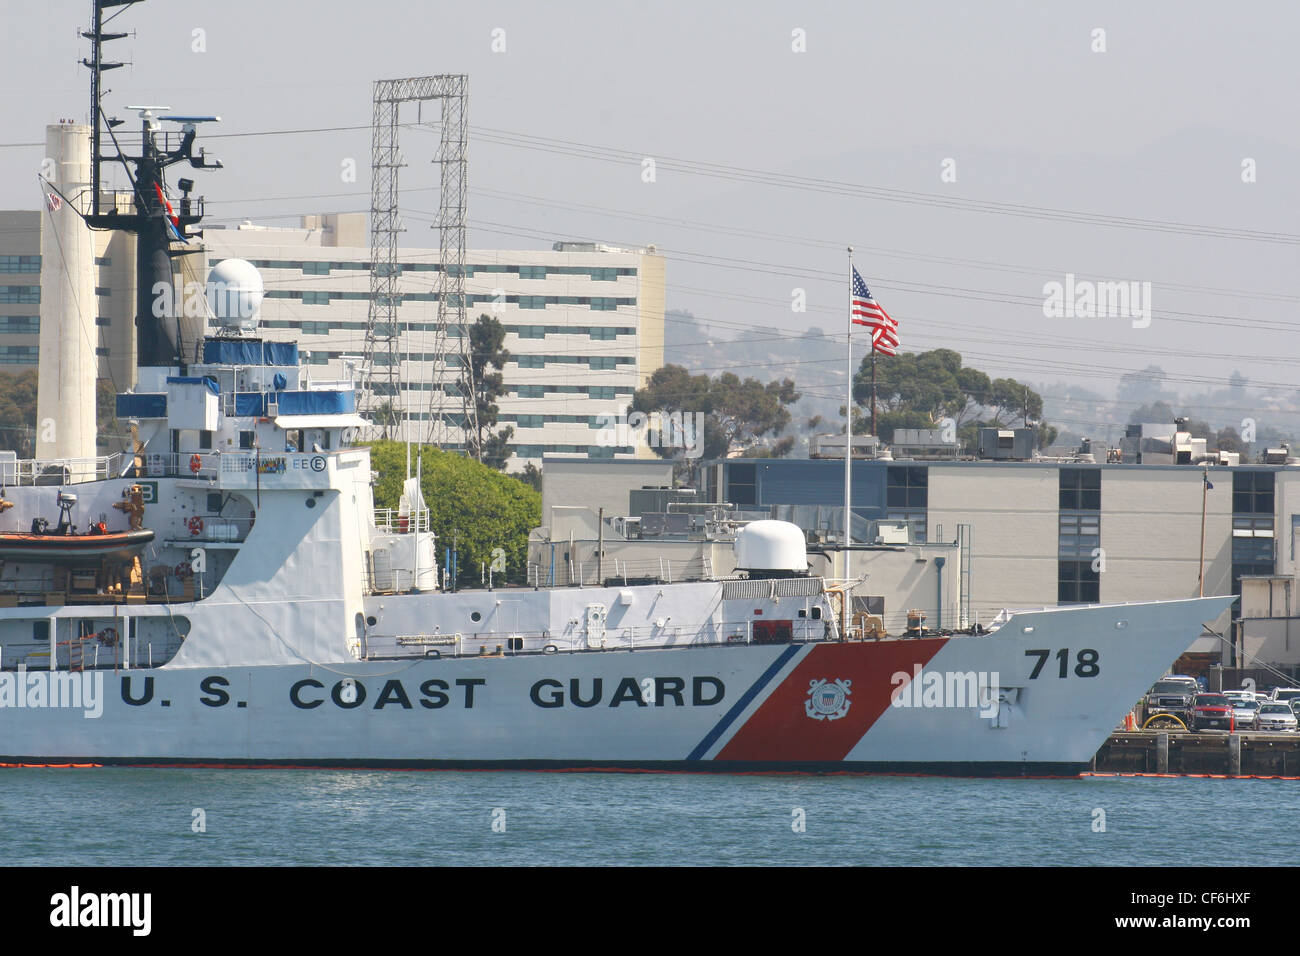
(1085, 662)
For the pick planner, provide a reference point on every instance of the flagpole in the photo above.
(873, 386)
(848, 425)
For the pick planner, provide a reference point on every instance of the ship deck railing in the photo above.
(395, 521)
(647, 637)
(60, 471)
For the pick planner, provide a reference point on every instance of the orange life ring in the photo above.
(196, 525)
(196, 464)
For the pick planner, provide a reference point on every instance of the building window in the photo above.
(18, 354)
(604, 275)
(1077, 583)
(742, 484)
(603, 334)
(315, 268)
(31, 264)
(602, 363)
(1252, 492)
(532, 302)
(103, 261)
(602, 392)
(1080, 489)
(101, 351)
(1080, 534)
(531, 331)
(103, 320)
(532, 361)
(103, 291)
(532, 272)
(907, 488)
(20, 324)
(604, 305)
(530, 391)
(315, 328)
(20, 294)
(315, 298)
(529, 421)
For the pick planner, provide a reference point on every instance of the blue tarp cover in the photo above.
(250, 403)
(141, 405)
(228, 352)
(317, 403)
(207, 380)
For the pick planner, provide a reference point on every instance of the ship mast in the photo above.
(144, 209)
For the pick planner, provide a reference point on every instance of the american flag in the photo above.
(867, 311)
(53, 201)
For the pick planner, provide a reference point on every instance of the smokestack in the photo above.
(65, 400)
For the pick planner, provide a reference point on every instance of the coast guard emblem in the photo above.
(828, 700)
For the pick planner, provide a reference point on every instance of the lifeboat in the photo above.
(63, 545)
(73, 548)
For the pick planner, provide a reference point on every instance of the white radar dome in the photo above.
(235, 293)
(771, 546)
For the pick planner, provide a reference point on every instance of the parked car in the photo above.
(1285, 694)
(1245, 713)
(1212, 712)
(1275, 715)
(1295, 707)
(1170, 696)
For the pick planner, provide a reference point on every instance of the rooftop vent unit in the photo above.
(1007, 444)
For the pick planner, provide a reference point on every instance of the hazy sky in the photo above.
(843, 142)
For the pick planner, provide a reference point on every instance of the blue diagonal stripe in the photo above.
(730, 717)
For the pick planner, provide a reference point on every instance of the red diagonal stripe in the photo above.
(782, 730)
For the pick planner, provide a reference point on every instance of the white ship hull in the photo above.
(1037, 697)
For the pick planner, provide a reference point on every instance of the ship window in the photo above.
(245, 439)
(205, 440)
(476, 617)
(40, 631)
(214, 503)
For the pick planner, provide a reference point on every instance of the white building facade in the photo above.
(584, 326)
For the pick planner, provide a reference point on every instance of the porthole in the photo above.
(476, 617)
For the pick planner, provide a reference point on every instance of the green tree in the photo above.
(921, 389)
(531, 476)
(487, 339)
(470, 504)
(18, 412)
(737, 413)
(385, 415)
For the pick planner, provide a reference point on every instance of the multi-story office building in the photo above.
(584, 324)
(20, 296)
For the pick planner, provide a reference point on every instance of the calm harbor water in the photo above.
(271, 817)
